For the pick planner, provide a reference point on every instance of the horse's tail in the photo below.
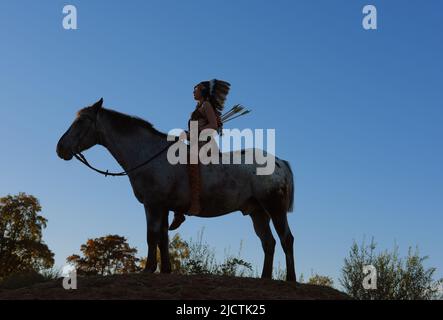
(290, 187)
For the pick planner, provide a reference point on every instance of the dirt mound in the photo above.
(173, 286)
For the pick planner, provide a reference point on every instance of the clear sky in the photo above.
(357, 113)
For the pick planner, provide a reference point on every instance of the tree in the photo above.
(178, 252)
(21, 246)
(234, 266)
(319, 280)
(105, 255)
(397, 278)
(201, 260)
(196, 257)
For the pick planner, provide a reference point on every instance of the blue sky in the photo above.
(357, 113)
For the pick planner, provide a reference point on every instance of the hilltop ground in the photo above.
(172, 286)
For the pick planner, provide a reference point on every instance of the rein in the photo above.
(80, 157)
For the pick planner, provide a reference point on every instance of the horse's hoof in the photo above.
(291, 279)
(149, 270)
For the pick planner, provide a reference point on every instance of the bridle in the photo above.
(80, 157)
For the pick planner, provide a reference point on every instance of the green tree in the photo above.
(197, 257)
(178, 252)
(201, 260)
(397, 278)
(234, 266)
(21, 245)
(320, 280)
(105, 255)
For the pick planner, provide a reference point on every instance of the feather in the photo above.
(233, 110)
(238, 115)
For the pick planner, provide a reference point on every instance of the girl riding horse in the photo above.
(210, 97)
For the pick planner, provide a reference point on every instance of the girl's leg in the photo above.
(194, 178)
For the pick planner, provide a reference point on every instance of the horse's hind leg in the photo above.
(260, 220)
(281, 225)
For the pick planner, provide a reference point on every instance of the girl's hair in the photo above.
(215, 91)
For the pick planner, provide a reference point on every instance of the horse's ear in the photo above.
(98, 104)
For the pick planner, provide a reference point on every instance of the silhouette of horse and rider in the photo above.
(203, 190)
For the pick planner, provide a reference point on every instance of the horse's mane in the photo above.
(126, 123)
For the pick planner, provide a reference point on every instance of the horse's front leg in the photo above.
(154, 218)
(165, 264)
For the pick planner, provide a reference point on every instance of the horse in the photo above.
(162, 187)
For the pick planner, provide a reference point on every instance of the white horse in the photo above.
(162, 187)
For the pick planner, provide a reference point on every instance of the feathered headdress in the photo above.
(218, 91)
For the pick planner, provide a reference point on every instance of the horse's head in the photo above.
(82, 134)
